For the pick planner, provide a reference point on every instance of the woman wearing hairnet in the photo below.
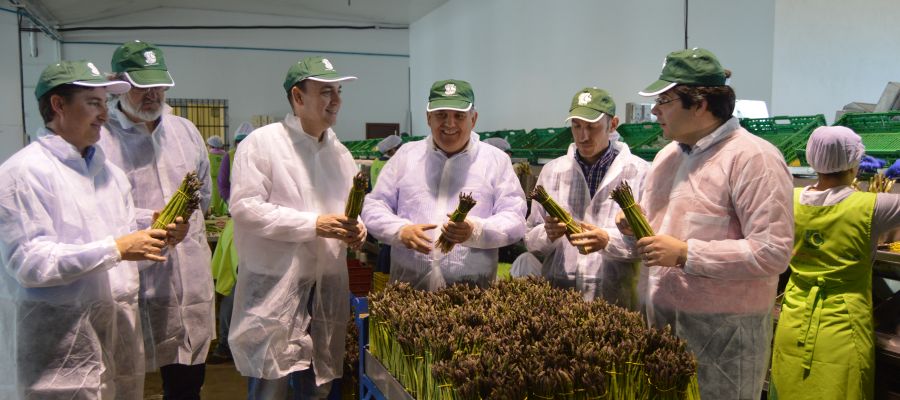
(387, 147)
(217, 153)
(824, 343)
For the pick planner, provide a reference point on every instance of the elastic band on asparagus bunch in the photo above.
(357, 196)
(182, 204)
(466, 203)
(623, 197)
(555, 211)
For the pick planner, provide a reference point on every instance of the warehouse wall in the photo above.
(11, 131)
(828, 53)
(220, 64)
(526, 58)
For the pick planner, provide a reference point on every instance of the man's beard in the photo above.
(145, 116)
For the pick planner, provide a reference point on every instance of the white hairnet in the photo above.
(389, 143)
(834, 149)
(499, 143)
(215, 142)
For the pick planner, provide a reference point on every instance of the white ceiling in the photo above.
(70, 13)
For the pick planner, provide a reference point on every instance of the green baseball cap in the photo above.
(316, 68)
(590, 104)
(451, 94)
(690, 67)
(81, 73)
(143, 65)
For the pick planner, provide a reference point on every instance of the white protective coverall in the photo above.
(177, 297)
(730, 199)
(69, 307)
(594, 275)
(421, 185)
(282, 180)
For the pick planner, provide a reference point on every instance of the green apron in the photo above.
(225, 261)
(824, 343)
(375, 170)
(217, 206)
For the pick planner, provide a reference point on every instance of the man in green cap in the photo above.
(289, 186)
(420, 186)
(156, 150)
(581, 182)
(719, 200)
(69, 297)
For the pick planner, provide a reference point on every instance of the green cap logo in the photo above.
(590, 104)
(142, 64)
(316, 68)
(81, 73)
(451, 94)
(691, 67)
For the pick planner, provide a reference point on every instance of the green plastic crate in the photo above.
(407, 139)
(865, 123)
(555, 138)
(880, 133)
(506, 134)
(644, 139)
(523, 154)
(639, 134)
(548, 154)
(786, 133)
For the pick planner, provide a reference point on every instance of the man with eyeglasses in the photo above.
(581, 182)
(156, 150)
(420, 186)
(719, 200)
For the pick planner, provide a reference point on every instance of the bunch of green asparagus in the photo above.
(357, 196)
(625, 199)
(555, 211)
(466, 203)
(183, 202)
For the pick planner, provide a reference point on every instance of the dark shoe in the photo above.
(218, 358)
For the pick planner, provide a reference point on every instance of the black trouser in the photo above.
(182, 382)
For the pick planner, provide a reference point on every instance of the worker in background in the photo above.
(69, 287)
(499, 143)
(387, 147)
(290, 185)
(825, 341)
(224, 178)
(581, 183)
(225, 263)
(419, 188)
(156, 150)
(719, 201)
(217, 153)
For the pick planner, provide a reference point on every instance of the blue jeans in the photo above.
(301, 383)
(225, 308)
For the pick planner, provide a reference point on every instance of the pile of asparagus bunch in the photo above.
(523, 339)
(878, 183)
(357, 196)
(182, 204)
(466, 203)
(625, 199)
(555, 211)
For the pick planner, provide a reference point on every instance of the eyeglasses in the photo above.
(662, 100)
(155, 89)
